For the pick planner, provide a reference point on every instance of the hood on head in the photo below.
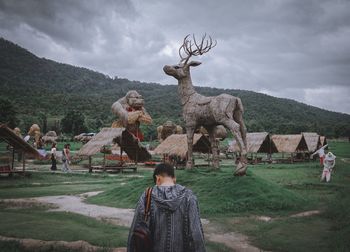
(330, 156)
(168, 197)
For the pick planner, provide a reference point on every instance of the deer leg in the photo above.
(238, 117)
(190, 133)
(214, 148)
(235, 129)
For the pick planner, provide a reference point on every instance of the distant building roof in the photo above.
(110, 136)
(257, 142)
(323, 140)
(177, 145)
(313, 141)
(290, 143)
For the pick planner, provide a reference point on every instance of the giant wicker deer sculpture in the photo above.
(209, 112)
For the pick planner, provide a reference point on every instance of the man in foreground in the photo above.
(174, 221)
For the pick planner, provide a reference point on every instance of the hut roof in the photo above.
(312, 140)
(290, 143)
(323, 140)
(110, 136)
(257, 142)
(10, 137)
(177, 145)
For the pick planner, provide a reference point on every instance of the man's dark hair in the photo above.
(163, 169)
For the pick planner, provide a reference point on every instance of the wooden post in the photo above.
(90, 164)
(137, 156)
(13, 159)
(137, 140)
(209, 158)
(121, 156)
(104, 161)
(23, 162)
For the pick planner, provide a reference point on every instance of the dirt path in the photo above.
(122, 217)
(76, 204)
(233, 240)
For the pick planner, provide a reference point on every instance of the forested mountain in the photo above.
(42, 89)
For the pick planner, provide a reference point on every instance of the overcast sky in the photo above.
(296, 49)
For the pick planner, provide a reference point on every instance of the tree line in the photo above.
(72, 99)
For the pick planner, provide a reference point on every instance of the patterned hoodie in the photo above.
(174, 220)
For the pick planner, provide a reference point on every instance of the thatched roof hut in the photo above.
(110, 136)
(313, 141)
(323, 140)
(290, 143)
(18, 145)
(176, 145)
(257, 142)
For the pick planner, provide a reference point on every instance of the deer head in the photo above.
(186, 51)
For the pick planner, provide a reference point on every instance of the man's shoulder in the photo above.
(188, 193)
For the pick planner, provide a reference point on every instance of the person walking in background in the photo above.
(320, 153)
(328, 166)
(174, 221)
(66, 158)
(53, 157)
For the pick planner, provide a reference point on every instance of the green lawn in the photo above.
(274, 190)
(39, 224)
(44, 184)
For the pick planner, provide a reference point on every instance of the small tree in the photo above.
(43, 121)
(73, 123)
(8, 113)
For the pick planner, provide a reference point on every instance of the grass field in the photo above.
(231, 203)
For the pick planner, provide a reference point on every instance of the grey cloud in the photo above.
(293, 49)
(74, 24)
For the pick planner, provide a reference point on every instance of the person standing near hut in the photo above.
(320, 153)
(66, 158)
(53, 157)
(328, 166)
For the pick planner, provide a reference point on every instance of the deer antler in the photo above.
(186, 50)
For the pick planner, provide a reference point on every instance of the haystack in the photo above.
(50, 137)
(257, 142)
(313, 141)
(176, 145)
(84, 137)
(290, 143)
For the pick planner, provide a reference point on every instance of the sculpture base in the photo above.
(241, 169)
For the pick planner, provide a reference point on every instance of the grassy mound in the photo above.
(218, 193)
(36, 223)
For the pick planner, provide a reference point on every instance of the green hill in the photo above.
(38, 86)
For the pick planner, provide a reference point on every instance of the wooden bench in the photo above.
(7, 170)
(111, 168)
(151, 163)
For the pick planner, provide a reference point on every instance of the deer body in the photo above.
(209, 112)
